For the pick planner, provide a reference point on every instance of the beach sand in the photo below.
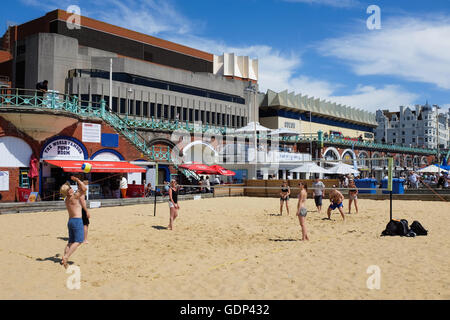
(228, 248)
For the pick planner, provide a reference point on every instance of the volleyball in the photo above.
(86, 167)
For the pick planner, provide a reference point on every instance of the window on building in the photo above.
(114, 104)
(152, 110)
(138, 108)
(145, 109)
(413, 139)
(214, 118)
(172, 112)
(166, 111)
(197, 115)
(123, 104)
(158, 110)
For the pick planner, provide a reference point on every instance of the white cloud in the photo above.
(150, 17)
(409, 48)
(372, 98)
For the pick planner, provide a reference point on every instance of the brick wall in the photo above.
(10, 196)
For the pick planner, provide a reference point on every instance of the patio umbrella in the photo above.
(309, 167)
(198, 168)
(222, 171)
(432, 169)
(342, 168)
(250, 128)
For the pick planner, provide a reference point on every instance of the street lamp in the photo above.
(129, 91)
(437, 138)
(252, 89)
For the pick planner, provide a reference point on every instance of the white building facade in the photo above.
(421, 126)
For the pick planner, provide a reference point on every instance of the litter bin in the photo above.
(397, 186)
(366, 183)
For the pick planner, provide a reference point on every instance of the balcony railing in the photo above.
(129, 127)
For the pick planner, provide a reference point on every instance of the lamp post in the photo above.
(110, 84)
(129, 91)
(437, 139)
(252, 90)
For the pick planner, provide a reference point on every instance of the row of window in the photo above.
(158, 84)
(166, 112)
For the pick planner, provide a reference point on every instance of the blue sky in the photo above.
(320, 48)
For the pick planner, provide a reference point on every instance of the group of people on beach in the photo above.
(335, 196)
(79, 214)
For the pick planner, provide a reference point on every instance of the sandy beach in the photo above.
(228, 248)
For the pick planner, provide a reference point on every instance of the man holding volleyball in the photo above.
(72, 200)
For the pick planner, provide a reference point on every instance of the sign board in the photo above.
(110, 140)
(63, 149)
(197, 197)
(91, 132)
(33, 197)
(23, 194)
(150, 176)
(4, 180)
(95, 204)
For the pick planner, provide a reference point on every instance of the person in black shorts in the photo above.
(85, 216)
(173, 203)
(284, 197)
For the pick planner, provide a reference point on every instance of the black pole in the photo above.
(154, 206)
(390, 203)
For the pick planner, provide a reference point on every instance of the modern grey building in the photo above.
(152, 78)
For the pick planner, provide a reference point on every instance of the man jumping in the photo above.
(75, 224)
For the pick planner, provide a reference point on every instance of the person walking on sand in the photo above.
(301, 209)
(336, 199)
(319, 193)
(284, 197)
(85, 215)
(75, 224)
(352, 196)
(173, 203)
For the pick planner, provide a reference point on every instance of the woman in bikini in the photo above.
(352, 196)
(284, 197)
(173, 203)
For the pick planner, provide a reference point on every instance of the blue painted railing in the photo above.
(128, 127)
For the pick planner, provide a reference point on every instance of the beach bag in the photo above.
(418, 229)
(391, 228)
(404, 229)
(396, 228)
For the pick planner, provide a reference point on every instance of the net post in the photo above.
(390, 168)
(154, 205)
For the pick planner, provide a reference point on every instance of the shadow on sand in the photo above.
(284, 240)
(159, 227)
(55, 259)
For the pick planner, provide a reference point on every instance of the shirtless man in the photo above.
(336, 199)
(301, 209)
(75, 224)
